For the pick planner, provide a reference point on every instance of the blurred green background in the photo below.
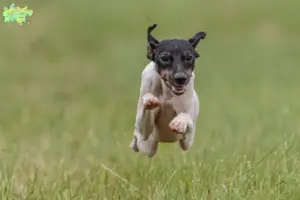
(69, 84)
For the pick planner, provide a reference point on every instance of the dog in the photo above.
(168, 105)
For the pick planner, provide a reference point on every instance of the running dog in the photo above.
(168, 105)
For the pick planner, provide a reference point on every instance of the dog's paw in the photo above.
(150, 102)
(133, 144)
(179, 124)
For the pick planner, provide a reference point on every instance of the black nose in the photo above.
(180, 78)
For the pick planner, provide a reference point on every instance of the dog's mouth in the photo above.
(177, 90)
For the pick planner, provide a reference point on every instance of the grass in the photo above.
(69, 85)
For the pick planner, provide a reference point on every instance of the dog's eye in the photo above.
(164, 58)
(189, 58)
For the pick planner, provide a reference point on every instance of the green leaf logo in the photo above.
(16, 14)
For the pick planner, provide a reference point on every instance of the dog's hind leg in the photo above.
(133, 144)
(146, 147)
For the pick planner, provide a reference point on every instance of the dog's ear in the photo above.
(152, 43)
(196, 39)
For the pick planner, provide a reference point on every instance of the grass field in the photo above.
(69, 84)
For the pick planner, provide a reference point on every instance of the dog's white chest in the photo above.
(179, 104)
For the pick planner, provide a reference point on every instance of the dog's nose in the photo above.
(180, 78)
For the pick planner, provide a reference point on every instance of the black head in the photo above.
(175, 59)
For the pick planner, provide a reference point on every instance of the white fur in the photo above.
(162, 116)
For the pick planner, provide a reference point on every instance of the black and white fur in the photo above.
(168, 105)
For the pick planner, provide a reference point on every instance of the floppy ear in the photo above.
(152, 43)
(196, 39)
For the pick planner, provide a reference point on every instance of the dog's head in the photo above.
(175, 59)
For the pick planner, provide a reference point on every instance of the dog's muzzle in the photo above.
(177, 90)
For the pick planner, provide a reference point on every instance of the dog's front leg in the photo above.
(145, 117)
(188, 139)
(183, 124)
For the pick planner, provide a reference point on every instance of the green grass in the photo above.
(69, 84)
